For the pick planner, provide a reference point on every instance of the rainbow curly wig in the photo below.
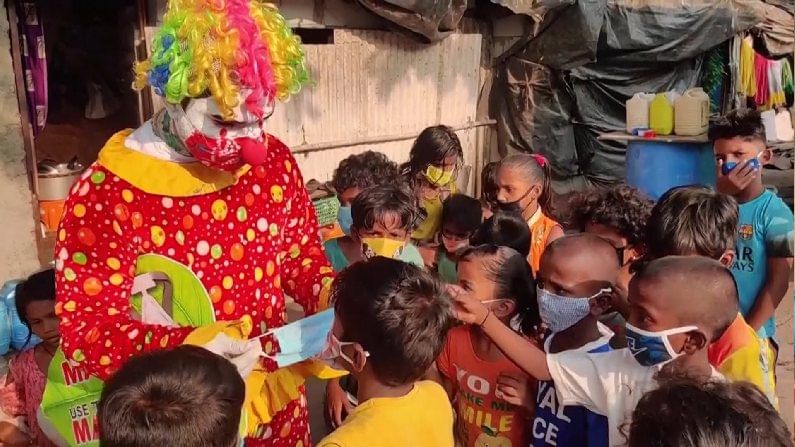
(219, 47)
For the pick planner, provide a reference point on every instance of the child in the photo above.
(524, 186)
(391, 321)
(183, 397)
(431, 171)
(23, 387)
(461, 217)
(505, 229)
(382, 219)
(697, 221)
(617, 214)
(576, 277)
(670, 326)
(357, 173)
(488, 185)
(490, 391)
(763, 266)
(716, 413)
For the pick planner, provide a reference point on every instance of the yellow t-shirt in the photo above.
(421, 418)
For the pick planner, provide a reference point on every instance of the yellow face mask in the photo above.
(437, 176)
(382, 246)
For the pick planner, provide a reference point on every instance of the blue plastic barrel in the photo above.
(654, 167)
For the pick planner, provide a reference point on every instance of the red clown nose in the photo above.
(252, 151)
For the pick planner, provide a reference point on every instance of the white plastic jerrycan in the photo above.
(691, 113)
(638, 111)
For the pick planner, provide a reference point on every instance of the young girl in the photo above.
(524, 186)
(492, 395)
(489, 189)
(22, 389)
(431, 171)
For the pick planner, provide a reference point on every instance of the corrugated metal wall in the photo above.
(374, 84)
(371, 86)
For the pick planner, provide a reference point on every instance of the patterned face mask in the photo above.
(560, 312)
(382, 246)
(653, 348)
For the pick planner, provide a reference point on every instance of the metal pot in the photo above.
(56, 179)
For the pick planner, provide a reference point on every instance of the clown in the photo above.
(203, 197)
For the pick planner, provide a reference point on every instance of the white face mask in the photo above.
(453, 247)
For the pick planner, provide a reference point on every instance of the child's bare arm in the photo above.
(526, 355)
(779, 272)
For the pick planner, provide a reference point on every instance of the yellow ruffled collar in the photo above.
(160, 177)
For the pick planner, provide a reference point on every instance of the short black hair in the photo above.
(692, 220)
(399, 313)
(505, 229)
(182, 397)
(743, 123)
(374, 203)
(712, 306)
(39, 286)
(364, 170)
(686, 412)
(622, 208)
(464, 213)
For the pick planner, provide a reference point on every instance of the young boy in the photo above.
(574, 282)
(726, 414)
(617, 214)
(391, 322)
(697, 221)
(763, 265)
(184, 397)
(461, 217)
(383, 217)
(357, 173)
(670, 326)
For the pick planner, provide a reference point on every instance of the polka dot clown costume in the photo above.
(202, 194)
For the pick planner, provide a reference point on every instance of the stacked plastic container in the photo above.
(669, 113)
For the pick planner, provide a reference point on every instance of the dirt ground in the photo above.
(785, 368)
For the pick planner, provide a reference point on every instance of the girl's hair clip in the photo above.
(540, 159)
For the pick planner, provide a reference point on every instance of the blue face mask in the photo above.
(653, 348)
(729, 166)
(345, 219)
(303, 339)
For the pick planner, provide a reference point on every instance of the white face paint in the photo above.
(219, 143)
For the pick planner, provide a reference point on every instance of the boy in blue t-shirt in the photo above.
(577, 276)
(763, 263)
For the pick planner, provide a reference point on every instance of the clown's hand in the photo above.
(244, 354)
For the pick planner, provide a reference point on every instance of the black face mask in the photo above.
(514, 207)
(510, 207)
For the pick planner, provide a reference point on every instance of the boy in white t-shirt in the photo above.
(678, 306)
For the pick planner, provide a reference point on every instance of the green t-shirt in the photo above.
(338, 260)
(447, 269)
